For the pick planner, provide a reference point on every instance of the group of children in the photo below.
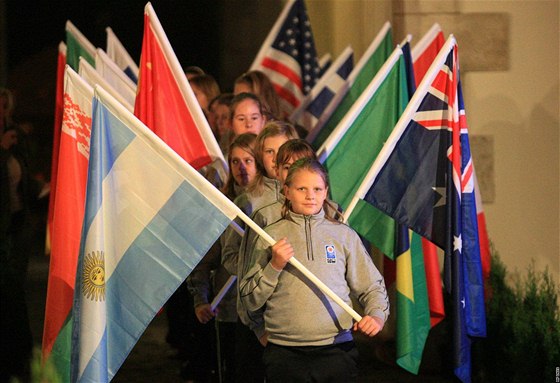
(274, 323)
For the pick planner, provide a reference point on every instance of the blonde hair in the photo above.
(271, 129)
(207, 84)
(260, 84)
(296, 147)
(313, 166)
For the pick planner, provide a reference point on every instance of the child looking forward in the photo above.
(309, 336)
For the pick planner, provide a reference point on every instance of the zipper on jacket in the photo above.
(308, 239)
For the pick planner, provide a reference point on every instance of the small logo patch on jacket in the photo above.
(331, 254)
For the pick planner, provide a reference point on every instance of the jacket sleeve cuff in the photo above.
(199, 299)
(270, 274)
(378, 314)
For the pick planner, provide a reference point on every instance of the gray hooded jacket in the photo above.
(296, 312)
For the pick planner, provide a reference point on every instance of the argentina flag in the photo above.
(149, 219)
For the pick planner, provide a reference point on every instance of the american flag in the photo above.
(288, 56)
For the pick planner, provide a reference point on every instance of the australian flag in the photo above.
(288, 56)
(425, 181)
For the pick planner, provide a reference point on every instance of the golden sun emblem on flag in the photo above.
(93, 276)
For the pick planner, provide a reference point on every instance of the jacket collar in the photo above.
(300, 218)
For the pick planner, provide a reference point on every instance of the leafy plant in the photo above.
(43, 372)
(523, 328)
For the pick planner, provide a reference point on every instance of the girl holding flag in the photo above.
(309, 336)
(262, 191)
(209, 276)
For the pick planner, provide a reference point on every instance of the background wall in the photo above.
(509, 52)
(519, 108)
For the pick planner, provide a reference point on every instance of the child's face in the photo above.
(307, 192)
(200, 97)
(282, 171)
(247, 118)
(269, 150)
(243, 167)
(222, 118)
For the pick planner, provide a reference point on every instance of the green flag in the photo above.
(78, 45)
(348, 154)
(413, 314)
(362, 74)
(352, 147)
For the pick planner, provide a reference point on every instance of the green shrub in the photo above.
(43, 372)
(523, 328)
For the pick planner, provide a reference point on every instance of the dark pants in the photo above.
(16, 340)
(226, 332)
(195, 342)
(248, 351)
(333, 363)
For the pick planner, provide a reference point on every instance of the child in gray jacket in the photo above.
(309, 336)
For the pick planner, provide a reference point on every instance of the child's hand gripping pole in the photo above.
(297, 264)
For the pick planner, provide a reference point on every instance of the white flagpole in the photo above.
(186, 91)
(86, 44)
(272, 34)
(212, 193)
(349, 82)
(332, 140)
(425, 41)
(225, 288)
(400, 127)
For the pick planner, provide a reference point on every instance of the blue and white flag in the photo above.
(118, 53)
(149, 219)
(115, 76)
(332, 82)
(363, 72)
(93, 78)
(324, 63)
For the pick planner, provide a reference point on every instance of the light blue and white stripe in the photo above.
(153, 217)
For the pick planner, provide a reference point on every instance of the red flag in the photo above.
(426, 51)
(482, 232)
(166, 103)
(58, 108)
(433, 282)
(423, 55)
(67, 218)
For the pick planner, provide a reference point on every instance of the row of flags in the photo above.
(390, 129)
(164, 101)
